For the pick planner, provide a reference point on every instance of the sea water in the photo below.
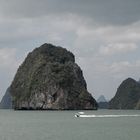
(63, 125)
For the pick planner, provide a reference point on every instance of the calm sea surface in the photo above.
(62, 125)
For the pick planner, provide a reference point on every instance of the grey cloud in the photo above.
(78, 25)
(101, 11)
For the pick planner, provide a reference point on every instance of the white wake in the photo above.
(104, 116)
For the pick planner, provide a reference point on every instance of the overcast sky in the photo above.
(104, 35)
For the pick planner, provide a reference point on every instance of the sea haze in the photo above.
(62, 125)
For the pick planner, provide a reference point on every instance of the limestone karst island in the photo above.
(49, 79)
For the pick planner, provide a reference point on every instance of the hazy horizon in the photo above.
(104, 36)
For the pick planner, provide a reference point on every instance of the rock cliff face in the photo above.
(127, 96)
(49, 78)
(6, 102)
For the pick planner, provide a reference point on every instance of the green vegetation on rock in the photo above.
(127, 96)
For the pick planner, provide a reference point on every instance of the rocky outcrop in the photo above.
(6, 102)
(102, 102)
(127, 96)
(49, 78)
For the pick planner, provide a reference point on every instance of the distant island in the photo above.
(102, 102)
(127, 95)
(49, 79)
(6, 102)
